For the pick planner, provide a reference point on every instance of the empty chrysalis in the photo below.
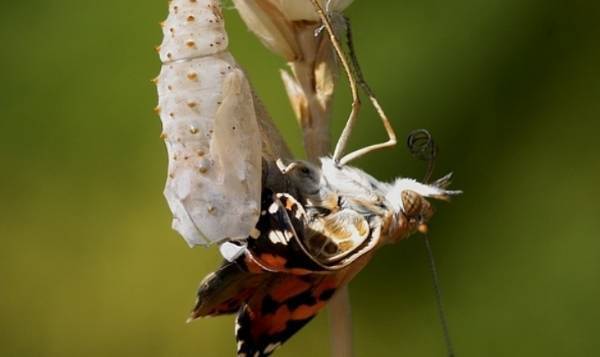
(209, 127)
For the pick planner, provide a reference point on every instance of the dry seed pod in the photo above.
(210, 128)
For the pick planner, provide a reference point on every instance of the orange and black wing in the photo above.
(278, 241)
(269, 250)
(276, 287)
(226, 290)
(280, 309)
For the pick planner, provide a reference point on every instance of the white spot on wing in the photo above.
(273, 208)
(237, 327)
(277, 236)
(271, 347)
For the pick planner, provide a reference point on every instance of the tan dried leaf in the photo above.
(296, 95)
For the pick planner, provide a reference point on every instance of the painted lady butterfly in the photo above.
(306, 246)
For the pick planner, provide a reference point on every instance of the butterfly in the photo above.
(304, 248)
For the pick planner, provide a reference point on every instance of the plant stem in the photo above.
(340, 323)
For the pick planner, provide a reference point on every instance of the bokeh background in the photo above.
(510, 90)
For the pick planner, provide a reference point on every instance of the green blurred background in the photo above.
(510, 89)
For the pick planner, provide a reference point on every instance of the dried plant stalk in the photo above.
(311, 88)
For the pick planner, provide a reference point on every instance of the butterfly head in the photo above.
(412, 210)
(303, 176)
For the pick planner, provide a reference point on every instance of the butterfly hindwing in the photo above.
(276, 286)
(278, 310)
(338, 235)
(226, 290)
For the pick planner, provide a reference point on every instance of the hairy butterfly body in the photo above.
(286, 273)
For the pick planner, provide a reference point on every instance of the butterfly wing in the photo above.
(275, 286)
(285, 304)
(227, 289)
(298, 288)
(280, 309)
(286, 240)
(271, 307)
(339, 234)
(277, 244)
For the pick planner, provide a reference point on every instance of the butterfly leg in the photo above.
(352, 71)
(365, 87)
(343, 140)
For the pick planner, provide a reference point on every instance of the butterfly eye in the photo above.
(411, 202)
(305, 171)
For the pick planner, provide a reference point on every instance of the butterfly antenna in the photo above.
(422, 147)
(438, 297)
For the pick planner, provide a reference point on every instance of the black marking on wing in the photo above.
(305, 298)
(327, 294)
(280, 309)
(225, 290)
(269, 306)
(287, 220)
(266, 344)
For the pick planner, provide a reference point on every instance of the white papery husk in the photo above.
(215, 130)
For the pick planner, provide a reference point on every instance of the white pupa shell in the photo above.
(209, 127)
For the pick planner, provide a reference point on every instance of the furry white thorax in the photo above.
(394, 194)
(324, 187)
(352, 182)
